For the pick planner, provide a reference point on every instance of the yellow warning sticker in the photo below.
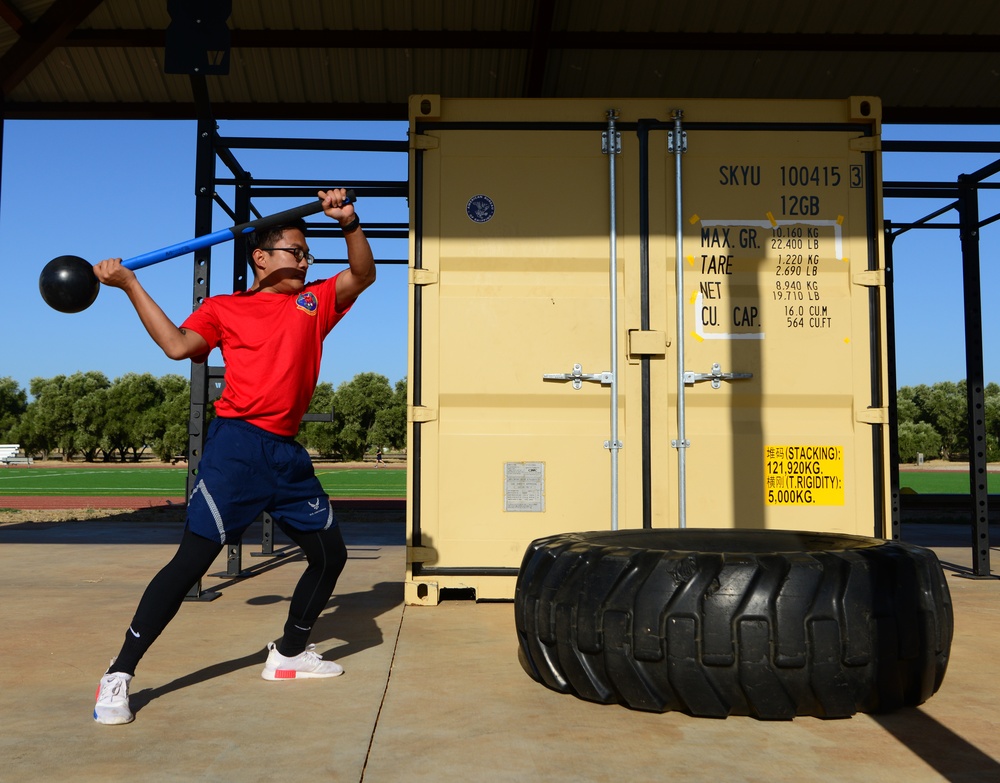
(804, 475)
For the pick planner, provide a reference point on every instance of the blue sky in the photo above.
(98, 189)
(930, 329)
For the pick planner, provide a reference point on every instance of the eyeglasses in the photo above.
(298, 252)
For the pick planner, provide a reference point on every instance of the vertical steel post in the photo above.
(968, 210)
(890, 322)
(241, 268)
(678, 145)
(234, 549)
(415, 383)
(613, 147)
(646, 445)
(204, 194)
(2, 123)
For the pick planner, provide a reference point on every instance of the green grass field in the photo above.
(944, 482)
(170, 482)
(339, 483)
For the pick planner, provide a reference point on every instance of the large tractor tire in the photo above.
(771, 624)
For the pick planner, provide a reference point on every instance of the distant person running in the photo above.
(379, 462)
(272, 339)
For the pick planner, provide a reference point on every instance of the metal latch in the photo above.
(717, 376)
(578, 376)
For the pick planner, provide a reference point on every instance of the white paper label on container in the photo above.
(524, 486)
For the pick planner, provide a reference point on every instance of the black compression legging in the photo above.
(325, 553)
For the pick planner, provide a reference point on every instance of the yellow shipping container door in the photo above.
(783, 319)
(512, 286)
(548, 388)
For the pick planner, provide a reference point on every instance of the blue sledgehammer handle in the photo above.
(225, 234)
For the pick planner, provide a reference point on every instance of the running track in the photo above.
(85, 501)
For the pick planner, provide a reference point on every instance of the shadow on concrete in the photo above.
(159, 525)
(944, 534)
(951, 756)
(350, 618)
(164, 525)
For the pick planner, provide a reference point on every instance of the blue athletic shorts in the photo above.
(245, 470)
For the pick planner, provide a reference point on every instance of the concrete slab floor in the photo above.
(430, 693)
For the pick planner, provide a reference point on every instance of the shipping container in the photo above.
(640, 313)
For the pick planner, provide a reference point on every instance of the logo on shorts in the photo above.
(315, 506)
(306, 301)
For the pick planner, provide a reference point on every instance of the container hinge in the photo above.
(615, 135)
(421, 413)
(423, 276)
(866, 144)
(421, 554)
(873, 416)
(717, 376)
(873, 278)
(673, 137)
(421, 141)
(578, 376)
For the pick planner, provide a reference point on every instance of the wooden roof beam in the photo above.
(538, 54)
(37, 40)
(12, 16)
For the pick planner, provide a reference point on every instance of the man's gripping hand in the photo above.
(111, 273)
(334, 206)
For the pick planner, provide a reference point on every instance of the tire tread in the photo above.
(828, 631)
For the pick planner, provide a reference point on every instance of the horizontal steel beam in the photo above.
(186, 110)
(556, 40)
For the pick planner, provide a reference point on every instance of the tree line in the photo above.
(934, 421)
(87, 416)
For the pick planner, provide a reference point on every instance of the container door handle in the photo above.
(578, 376)
(716, 376)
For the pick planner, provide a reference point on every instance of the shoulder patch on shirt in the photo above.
(306, 301)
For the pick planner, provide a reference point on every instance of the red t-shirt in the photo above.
(272, 345)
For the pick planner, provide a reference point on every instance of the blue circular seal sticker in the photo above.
(480, 208)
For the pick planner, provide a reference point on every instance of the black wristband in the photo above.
(354, 225)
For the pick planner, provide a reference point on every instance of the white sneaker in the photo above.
(112, 699)
(305, 665)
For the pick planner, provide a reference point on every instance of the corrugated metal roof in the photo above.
(928, 61)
